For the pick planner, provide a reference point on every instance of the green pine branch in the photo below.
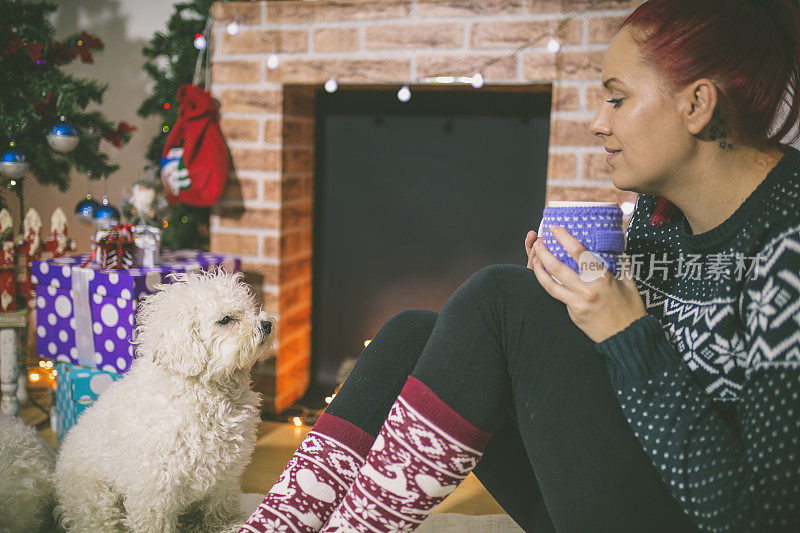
(171, 58)
(170, 62)
(34, 95)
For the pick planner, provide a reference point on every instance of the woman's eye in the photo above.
(227, 319)
(616, 101)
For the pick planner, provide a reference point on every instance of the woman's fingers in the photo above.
(551, 286)
(529, 240)
(555, 267)
(587, 262)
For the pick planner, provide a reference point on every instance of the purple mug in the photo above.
(597, 225)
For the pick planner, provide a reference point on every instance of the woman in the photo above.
(668, 403)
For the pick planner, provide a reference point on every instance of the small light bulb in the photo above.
(553, 45)
(404, 94)
(13, 183)
(366, 342)
(477, 80)
(233, 28)
(35, 377)
(297, 421)
(273, 62)
(41, 364)
(328, 399)
(200, 42)
(331, 85)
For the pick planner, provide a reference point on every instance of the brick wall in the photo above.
(268, 119)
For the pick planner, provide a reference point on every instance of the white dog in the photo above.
(26, 486)
(163, 448)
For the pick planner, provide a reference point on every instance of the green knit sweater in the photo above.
(709, 379)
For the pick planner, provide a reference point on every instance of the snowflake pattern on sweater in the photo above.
(710, 379)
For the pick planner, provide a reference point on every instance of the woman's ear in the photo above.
(699, 101)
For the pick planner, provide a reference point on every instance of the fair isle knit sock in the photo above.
(314, 480)
(421, 454)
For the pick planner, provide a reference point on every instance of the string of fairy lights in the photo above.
(473, 75)
(297, 414)
(42, 374)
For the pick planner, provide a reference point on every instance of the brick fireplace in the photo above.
(268, 119)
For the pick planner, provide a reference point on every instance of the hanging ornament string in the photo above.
(207, 86)
(202, 44)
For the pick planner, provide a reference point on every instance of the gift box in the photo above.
(86, 316)
(76, 389)
(125, 246)
(148, 245)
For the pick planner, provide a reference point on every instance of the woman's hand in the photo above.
(599, 304)
(530, 238)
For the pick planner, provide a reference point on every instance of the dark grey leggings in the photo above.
(506, 356)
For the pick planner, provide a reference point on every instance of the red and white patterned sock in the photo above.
(314, 480)
(423, 451)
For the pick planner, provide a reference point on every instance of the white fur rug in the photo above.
(436, 522)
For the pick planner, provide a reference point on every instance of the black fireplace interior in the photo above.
(413, 198)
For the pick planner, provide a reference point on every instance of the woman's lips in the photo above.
(611, 156)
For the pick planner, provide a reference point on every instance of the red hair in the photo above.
(750, 48)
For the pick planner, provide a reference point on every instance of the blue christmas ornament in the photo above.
(14, 163)
(63, 137)
(86, 209)
(106, 214)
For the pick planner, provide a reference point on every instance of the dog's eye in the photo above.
(227, 319)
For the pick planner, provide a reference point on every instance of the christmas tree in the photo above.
(45, 129)
(172, 58)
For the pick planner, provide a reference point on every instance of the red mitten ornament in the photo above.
(194, 162)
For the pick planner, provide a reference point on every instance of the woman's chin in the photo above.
(620, 180)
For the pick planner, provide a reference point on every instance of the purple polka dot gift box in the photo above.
(86, 315)
(76, 389)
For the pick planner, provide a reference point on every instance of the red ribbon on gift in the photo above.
(118, 241)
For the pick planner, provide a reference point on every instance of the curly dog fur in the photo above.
(163, 448)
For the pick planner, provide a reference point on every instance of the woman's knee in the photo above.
(403, 336)
(416, 322)
(504, 281)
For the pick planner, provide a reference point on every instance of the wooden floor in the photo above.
(277, 442)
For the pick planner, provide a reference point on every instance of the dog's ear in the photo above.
(189, 359)
(169, 337)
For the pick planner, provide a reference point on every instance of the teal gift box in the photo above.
(76, 389)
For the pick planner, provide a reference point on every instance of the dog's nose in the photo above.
(266, 327)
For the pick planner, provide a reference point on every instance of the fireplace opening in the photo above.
(411, 199)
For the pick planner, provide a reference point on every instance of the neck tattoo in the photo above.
(718, 131)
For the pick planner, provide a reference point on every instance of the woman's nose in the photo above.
(599, 125)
